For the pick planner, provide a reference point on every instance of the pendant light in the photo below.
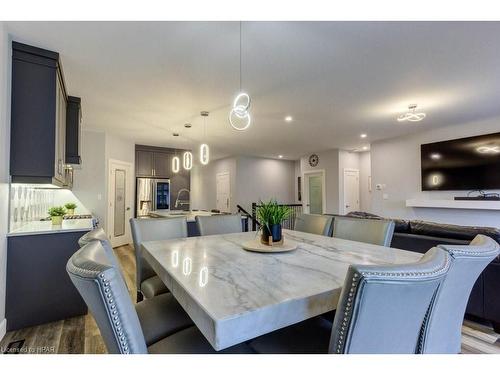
(187, 160)
(175, 164)
(204, 150)
(239, 115)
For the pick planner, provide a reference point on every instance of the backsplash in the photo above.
(31, 203)
(28, 203)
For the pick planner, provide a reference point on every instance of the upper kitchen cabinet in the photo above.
(162, 163)
(144, 163)
(73, 130)
(152, 161)
(38, 117)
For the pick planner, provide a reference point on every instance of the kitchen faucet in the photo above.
(181, 201)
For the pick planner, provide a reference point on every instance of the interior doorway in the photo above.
(314, 192)
(351, 191)
(223, 188)
(120, 202)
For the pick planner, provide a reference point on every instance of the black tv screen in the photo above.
(471, 163)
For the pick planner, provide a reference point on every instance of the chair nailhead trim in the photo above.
(122, 338)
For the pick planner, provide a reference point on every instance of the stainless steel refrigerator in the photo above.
(152, 194)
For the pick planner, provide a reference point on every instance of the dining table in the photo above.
(234, 295)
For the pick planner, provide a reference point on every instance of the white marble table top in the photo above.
(234, 295)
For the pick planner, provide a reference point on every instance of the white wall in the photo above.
(396, 163)
(89, 182)
(264, 179)
(329, 162)
(251, 179)
(203, 183)
(5, 69)
(365, 171)
(120, 149)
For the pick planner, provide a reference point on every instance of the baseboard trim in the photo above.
(3, 328)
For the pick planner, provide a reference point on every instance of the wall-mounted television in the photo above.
(471, 163)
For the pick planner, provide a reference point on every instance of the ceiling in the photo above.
(144, 80)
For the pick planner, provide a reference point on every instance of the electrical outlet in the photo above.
(385, 196)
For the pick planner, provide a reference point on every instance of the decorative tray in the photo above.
(257, 246)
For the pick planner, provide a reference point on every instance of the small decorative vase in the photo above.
(276, 232)
(273, 236)
(71, 211)
(56, 220)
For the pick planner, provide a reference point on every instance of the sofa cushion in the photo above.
(460, 232)
(363, 215)
(400, 225)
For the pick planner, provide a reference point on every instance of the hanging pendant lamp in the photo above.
(204, 149)
(239, 115)
(187, 160)
(175, 163)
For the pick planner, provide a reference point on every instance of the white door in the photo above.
(351, 190)
(314, 192)
(120, 202)
(223, 186)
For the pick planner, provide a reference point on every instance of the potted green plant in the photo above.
(270, 215)
(71, 208)
(56, 214)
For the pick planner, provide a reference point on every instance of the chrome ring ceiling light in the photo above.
(411, 115)
(239, 115)
(488, 149)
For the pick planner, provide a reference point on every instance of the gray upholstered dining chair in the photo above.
(147, 282)
(377, 232)
(316, 224)
(381, 309)
(98, 234)
(442, 333)
(219, 224)
(95, 234)
(122, 329)
(152, 311)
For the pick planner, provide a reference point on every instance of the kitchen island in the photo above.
(191, 218)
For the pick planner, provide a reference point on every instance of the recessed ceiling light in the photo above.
(363, 135)
(280, 156)
(175, 134)
(365, 147)
(187, 125)
(288, 118)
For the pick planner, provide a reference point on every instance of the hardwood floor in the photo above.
(81, 335)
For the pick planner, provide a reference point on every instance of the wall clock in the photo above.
(313, 160)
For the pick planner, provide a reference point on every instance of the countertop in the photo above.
(190, 215)
(45, 227)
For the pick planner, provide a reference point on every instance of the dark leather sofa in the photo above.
(420, 236)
